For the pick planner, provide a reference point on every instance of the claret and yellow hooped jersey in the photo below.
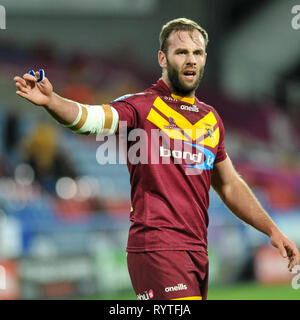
(180, 139)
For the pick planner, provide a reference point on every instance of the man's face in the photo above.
(185, 61)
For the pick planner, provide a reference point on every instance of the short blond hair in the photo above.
(179, 24)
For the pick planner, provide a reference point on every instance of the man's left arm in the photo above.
(238, 197)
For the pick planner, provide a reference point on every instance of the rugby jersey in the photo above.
(172, 145)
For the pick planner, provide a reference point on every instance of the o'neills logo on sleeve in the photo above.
(179, 287)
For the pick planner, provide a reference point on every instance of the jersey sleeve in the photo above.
(221, 153)
(127, 113)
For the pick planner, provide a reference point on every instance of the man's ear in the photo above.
(205, 58)
(162, 60)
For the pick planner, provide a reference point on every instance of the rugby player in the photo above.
(167, 243)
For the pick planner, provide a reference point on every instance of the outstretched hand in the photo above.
(286, 248)
(38, 93)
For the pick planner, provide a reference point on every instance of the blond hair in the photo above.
(179, 24)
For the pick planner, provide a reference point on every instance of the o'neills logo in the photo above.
(188, 108)
(179, 287)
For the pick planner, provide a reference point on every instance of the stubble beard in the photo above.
(178, 86)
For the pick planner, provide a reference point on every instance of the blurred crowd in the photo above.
(56, 200)
(261, 139)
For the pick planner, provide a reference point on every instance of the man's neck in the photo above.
(173, 92)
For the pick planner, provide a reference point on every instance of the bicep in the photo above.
(223, 175)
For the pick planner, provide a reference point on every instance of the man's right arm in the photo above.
(77, 117)
(62, 110)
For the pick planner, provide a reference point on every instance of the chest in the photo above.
(183, 121)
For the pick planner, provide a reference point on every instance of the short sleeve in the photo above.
(221, 153)
(127, 113)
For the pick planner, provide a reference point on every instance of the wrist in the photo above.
(273, 231)
(50, 105)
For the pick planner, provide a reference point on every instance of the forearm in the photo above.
(242, 202)
(82, 118)
(235, 193)
(62, 110)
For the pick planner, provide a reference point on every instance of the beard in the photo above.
(178, 86)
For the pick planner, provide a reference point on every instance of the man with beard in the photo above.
(167, 243)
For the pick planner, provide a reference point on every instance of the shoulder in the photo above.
(135, 105)
(136, 98)
(208, 108)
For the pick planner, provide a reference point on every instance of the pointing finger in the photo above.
(21, 87)
(21, 94)
(20, 81)
(29, 77)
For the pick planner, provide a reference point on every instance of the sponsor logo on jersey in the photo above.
(178, 287)
(209, 160)
(203, 160)
(178, 154)
(147, 295)
(189, 108)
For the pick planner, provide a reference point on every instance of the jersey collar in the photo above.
(184, 99)
(166, 89)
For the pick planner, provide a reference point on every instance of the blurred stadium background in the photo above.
(64, 217)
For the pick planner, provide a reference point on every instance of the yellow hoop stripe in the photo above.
(189, 298)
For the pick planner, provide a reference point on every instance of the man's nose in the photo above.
(191, 59)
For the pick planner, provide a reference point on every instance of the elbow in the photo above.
(230, 189)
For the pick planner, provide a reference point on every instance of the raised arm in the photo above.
(79, 118)
(238, 197)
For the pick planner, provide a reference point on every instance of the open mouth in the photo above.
(189, 75)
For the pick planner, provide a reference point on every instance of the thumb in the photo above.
(278, 243)
(45, 85)
(282, 250)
